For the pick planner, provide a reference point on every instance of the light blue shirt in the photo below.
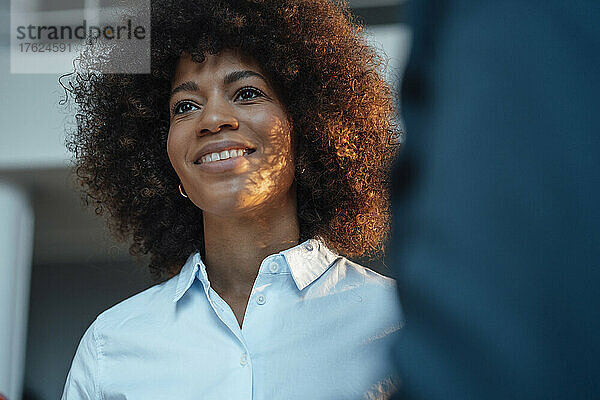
(317, 326)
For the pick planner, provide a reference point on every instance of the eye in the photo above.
(183, 107)
(249, 93)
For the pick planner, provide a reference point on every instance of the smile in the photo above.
(223, 155)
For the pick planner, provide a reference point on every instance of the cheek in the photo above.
(174, 147)
(278, 139)
(280, 158)
(288, 150)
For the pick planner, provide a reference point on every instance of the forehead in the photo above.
(214, 65)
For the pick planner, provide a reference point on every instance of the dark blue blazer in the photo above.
(496, 237)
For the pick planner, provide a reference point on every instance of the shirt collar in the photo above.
(306, 261)
(186, 276)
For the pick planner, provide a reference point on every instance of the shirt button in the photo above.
(273, 267)
(260, 299)
(308, 247)
(244, 360)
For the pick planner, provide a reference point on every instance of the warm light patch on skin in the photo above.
(265, 180)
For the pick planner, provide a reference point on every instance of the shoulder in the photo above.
(349, 270)
(140, 308)
(370, 275)
(374, 288)
(82, 379)
(374, 296)
(122, 324)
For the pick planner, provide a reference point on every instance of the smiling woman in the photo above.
(249, 164)
(222, 104)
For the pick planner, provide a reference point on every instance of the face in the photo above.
(229, 138)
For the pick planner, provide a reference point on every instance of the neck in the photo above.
(236, 245)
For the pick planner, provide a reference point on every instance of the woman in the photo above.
(246, 163)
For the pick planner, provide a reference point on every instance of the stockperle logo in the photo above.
(108, 36)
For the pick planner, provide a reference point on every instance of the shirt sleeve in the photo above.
(82, 380)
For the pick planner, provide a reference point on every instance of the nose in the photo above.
(218, 114)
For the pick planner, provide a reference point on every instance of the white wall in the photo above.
(31, 122)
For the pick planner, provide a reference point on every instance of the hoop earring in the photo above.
(181, 191)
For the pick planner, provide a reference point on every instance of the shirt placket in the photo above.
(259, 298)
(225, 314)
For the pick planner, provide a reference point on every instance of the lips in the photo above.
(217, 147)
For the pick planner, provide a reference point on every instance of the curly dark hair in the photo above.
(330, 83)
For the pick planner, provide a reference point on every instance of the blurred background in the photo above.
(60, 267)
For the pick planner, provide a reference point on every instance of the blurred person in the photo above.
(249, 163)
(496, 222)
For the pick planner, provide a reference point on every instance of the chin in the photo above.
(232, 206)
(242, 203)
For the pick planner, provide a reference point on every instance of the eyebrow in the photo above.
(190, 86)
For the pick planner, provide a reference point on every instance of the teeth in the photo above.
(223, 155)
